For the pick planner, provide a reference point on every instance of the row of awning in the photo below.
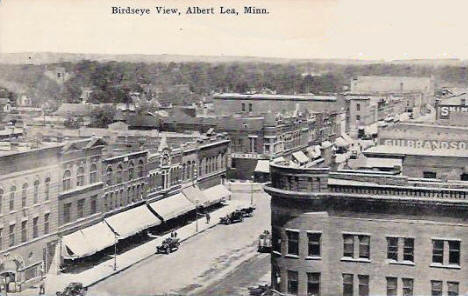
(90, 240)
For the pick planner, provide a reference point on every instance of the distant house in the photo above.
(24, 101)
(5, 105)
(143, 122)
(70, 109)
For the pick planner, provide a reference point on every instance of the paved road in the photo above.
(200, 261)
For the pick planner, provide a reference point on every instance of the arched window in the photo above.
(140, 168)
(47, 189)
(131, 170)
(80, 176)
(36, 192)
(109, 175)
(183, 172)
(24, 195)
(66, 180)
(93, 173)
(122, 202)
(12, 197)
(119, 178)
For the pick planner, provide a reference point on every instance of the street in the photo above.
(201, 261)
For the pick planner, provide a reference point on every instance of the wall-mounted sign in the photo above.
(427, 144)
(444, 111)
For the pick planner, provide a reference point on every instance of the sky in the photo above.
(348, 29)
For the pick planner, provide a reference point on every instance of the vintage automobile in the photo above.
(260, 290)
(264, 242)
(73, 289)
(248, 211)
(236, 216)
(168, 245)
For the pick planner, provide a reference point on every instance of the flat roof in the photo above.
(401, 151)
(236, 96)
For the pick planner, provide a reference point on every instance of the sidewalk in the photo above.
(54, 283)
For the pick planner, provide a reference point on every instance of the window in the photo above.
(348, 284)
(392, 248)
(36, 192)
(408, 287)
(24, 195)
(429, 175)
(46, 223)
(438, 251)
(12, 197)
(12, 235)
(66, 180)
(35, 227)
(364, 246)
(131, 171)
(392, 286)
(80, 208)
(436, 288)
(358, 107)
(250, 107)
(408, 249)
(293, 242)
(363, 285)
(67, 213)
(80, 176)
(452, 289)
(313, 284)
(93, 173)
(109, 175)
(24, 231)
(47, 189)
(314, 244)
(454, 252)
(140, 168)
(292, 282)
(93, 205)
(348, 245)
(358, 117)
(243, 106)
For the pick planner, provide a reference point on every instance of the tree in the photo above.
(102, 116)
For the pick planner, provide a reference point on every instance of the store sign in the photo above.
(445, 111)
(427, 144)
(247, 155)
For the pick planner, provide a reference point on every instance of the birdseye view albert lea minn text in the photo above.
(189, 10)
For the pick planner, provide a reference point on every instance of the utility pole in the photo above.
(115, 251)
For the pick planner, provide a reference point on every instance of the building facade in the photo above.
(366, 234)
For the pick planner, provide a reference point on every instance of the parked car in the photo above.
(247, 211)
(236, 216)
(73, 289)
(168, 245)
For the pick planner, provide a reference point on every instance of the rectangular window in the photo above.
(348, 284)
(250, 107)
(358, 117)
(392, 286)
(429, 175)
(438, 251)
(292, 282)
(408, 249)
(313, 284)
(363, 285)
(454, 252)
(392, 248)
(93, 205)
(358, 107)
(348, 245)
(452, 289)
(24, 231)
(35, 227)
(364, 246)
(80, 208)
(243, 106)
(436, 288)
(46, 223)
(408, 287)
(67, 213)
(12, 235)
(293, 242)
(47, 189)
(314, 244)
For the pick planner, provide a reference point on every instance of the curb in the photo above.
(145, 258)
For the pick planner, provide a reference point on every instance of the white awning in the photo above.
(172, 206)
(263, 166)
(196, 196)
(217, 193)
(279, 159)
(79, 246)
(375, 162)
(99, 235)
(300, 157)
(130, 222)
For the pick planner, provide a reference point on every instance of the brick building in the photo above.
(366, 234)
(452, 110)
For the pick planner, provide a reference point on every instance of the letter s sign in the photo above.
(444, 112)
